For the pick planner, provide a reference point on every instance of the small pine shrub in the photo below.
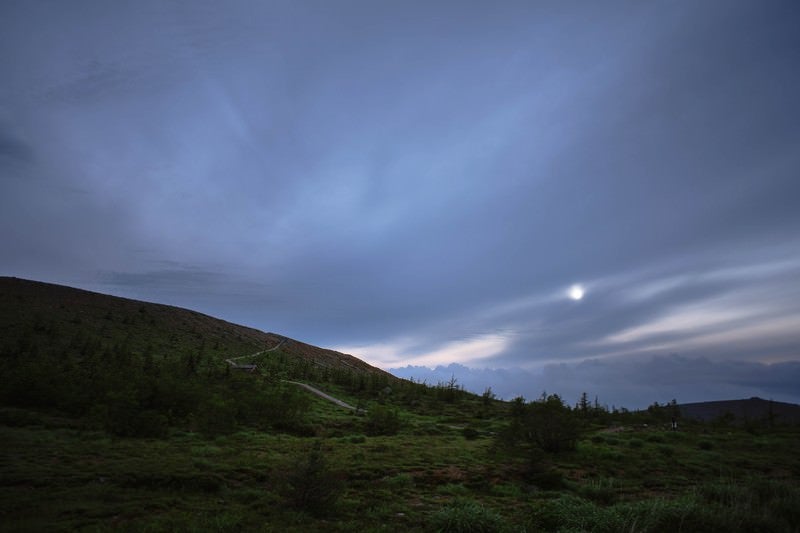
(311, 486)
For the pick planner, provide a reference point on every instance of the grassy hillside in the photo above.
(124, 415)
(139, 369)
(40, 313)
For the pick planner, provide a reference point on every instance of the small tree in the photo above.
(311, 485)
(583, 405)
(552, 425)
(488, 396)
(546, 424)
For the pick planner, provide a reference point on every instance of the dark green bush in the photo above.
(382, 421)
(312, 486)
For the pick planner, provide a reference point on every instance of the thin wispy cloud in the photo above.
(419, 181)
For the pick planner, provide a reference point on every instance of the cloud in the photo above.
(630, 383)
(407, 350)
(413, 183)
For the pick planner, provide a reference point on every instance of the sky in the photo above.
(532, 196)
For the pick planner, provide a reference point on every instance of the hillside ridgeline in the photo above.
(30, 310)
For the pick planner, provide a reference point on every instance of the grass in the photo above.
(417, 460)
(57, 477)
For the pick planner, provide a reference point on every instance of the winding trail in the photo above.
(236, 365)
(340, 403)
(321, 394)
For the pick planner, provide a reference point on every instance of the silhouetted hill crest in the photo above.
(751, 409)
(27, 305)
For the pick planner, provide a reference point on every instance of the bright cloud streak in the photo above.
(682, 321)
(468, 351)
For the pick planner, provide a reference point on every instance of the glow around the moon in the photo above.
(576, 292)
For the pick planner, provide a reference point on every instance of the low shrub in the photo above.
(548, 479)
(705, 445)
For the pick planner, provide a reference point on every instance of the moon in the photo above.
(576, 292)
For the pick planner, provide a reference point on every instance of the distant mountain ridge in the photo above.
(749, 410)
(28, 306)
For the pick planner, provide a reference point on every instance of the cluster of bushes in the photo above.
(382, 420)
(547, 424)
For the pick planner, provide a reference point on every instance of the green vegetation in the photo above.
(129, 418)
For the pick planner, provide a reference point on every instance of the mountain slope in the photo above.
(749, 410)
(31, 311)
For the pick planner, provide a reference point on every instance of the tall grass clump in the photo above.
(571, 513)
(602, 491)
(755, 504)
(466, 516)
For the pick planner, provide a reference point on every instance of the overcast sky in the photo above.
(422, 183)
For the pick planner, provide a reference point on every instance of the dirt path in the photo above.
(233, 364)
(340, 403)
(321, 394)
